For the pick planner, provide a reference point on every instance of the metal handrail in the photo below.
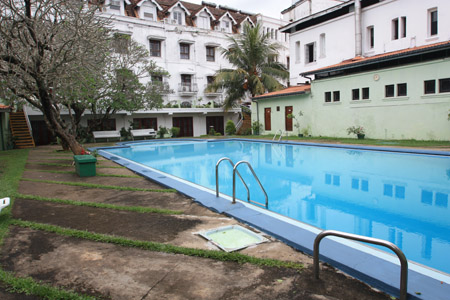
(217, 177)
(400, 254)
(257, 179)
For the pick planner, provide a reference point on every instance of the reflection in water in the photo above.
(397, 197)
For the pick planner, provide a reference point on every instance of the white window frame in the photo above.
(430, 12)
(307, 54)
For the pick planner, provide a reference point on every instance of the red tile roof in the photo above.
(292, 90)
(363, 60)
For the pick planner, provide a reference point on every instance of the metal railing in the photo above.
(400, 254)
(276, 133)
(217, 176)
(187, 88)
(257, 179)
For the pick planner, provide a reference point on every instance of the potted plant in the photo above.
(297, 122)
(358, 130)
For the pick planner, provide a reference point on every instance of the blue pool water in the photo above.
(399, 197)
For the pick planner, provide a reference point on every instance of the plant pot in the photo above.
(360, 136)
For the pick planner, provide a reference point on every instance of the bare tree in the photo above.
(59, 57)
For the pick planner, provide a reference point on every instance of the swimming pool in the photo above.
(399, 197)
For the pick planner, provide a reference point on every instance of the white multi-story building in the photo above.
(186, 40)
(361, 28)
(382, 65)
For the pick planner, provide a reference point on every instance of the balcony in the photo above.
(162, 87)
(187, 89)
(211, 93)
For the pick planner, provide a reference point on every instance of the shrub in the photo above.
(162, 131)
(230, 128)
(218, 134)
(247, 131)
(212, 131)
(175, 131)
(256, 127)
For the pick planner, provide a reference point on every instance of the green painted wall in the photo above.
(415, 116)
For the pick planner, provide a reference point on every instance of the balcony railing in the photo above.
(212, 93)
(163, 87)
(187, 88)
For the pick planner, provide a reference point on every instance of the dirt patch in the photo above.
(172, 201)
(117, 181)
(148, 226)
(127, 273)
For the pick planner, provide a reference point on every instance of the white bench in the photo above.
(4, 202)
(143, 133)
(106, 134)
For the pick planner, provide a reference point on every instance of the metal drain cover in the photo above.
(232, 238)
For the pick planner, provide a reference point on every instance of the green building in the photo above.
(398, 95)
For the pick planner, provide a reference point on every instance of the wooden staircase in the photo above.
(247, 123)
(20, 129)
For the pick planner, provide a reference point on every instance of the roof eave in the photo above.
(280, 95)
(376, 60)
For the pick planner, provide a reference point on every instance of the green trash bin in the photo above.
(85, 165)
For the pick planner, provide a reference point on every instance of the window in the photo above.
(444, 85)
(276, 34)
(177, 17)
(186, 81)
(210, 53)
(184, 51)
(115, 4)
(297, 51)
(145, 123)
(365, 93)
(370, 37)
(355, 94)
(389, 91)
(336, 96)
(395, 29)
(155, 48)
(432, 22)
(322, 45)
(157, 78)
(148, 16)
(203, 21)
(402, 90)
(327, 96)
(310, 55)
(102, 125)
(210, 79)
(226, 26)
(403, 27)
(121, 43)
(429, 87)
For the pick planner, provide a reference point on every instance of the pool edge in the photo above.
(386, 276)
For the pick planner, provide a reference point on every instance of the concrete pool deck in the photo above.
(379, 270)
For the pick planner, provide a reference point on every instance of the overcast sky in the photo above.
(271, 8)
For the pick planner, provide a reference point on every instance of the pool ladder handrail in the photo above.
(276, 133)
(266, 205)
(394, 248)
(217, 177)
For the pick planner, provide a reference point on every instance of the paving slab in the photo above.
(119, 272)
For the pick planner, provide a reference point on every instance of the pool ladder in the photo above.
(236, 172)
(276, 133)
(355, 237)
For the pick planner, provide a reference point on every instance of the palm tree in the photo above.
(255, 71)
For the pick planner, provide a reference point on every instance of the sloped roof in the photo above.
(358, 61)
(292, 90)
